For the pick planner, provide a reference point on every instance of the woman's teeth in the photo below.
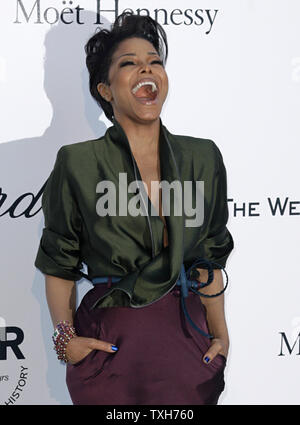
(144, 83)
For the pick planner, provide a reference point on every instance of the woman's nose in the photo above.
(146, 68)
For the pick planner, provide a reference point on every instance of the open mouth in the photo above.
(145, 92)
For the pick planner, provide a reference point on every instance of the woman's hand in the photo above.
(218, 346)
(79, 347)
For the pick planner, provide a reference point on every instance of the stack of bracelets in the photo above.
(64, 331)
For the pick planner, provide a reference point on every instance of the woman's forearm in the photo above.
(215, 312)
(61, 298)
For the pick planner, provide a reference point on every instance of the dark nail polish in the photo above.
(206, 359)
(113, 347)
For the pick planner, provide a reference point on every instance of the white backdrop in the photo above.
(234, 71)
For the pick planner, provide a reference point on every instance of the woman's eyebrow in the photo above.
(134, 54)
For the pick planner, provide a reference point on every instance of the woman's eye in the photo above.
(158, 62)
(126, 63)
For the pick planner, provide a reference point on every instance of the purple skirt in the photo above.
(159, 360)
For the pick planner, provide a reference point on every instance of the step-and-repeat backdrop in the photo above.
(234, 71)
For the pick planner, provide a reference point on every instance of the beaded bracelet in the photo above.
(64, 331)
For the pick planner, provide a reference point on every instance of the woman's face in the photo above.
(138, 81)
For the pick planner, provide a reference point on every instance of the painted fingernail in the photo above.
(206, 359)
(113, 347)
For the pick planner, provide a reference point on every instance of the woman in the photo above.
(141, 335)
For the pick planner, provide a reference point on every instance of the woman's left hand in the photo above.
(218, 346)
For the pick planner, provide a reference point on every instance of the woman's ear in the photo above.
(104, 91)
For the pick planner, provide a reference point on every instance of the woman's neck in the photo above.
(143, 138)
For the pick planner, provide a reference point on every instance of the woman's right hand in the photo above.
(79, 347)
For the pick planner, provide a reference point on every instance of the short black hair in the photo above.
(101, 46)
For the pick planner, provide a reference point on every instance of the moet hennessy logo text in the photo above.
(42, 12)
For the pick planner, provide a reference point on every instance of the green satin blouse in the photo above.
(130, 247)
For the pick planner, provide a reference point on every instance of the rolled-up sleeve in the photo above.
(59, 249)
(218, 243)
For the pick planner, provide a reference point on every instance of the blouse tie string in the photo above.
(187, 284)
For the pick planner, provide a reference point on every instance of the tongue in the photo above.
(145, 92)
